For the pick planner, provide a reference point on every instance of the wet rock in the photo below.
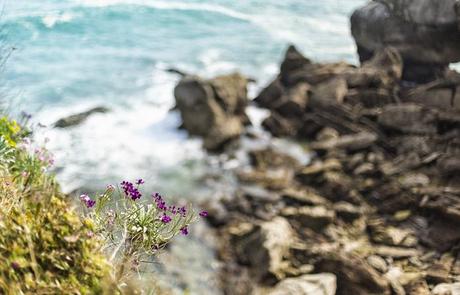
(446, 289)
(213, 109)
(315, 284)
(354, 275)
(79, 118)
(265, 247)
(316, 217)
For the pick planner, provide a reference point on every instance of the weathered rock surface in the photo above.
(317, 284)
(265, 247)
(213, 109)
(425, 32)
(379, 203)
(79, 118)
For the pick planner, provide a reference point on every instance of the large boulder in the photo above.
(213, 109)
(425, 32)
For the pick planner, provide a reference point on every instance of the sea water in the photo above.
(70, 56)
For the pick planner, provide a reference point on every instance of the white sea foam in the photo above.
(52, 19)
(139, 140)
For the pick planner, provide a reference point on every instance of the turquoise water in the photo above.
(73, 55)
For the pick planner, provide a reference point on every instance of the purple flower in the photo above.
(203, 213)
(184, 230)
(161, 204)
(130, 190)
(89, 203)
(182, 211)
(140, 181)
(110, 187)
(166, 219)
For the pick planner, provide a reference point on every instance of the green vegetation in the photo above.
(45, 247)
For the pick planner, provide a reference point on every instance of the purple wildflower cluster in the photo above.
(130, 190)
(173, 210)
(89, 203)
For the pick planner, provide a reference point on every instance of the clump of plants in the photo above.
(135, 227)
(45, 247)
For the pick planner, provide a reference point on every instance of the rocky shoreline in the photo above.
(377, 211)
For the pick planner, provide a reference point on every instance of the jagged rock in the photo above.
(333, 89)
(316, 217)
(419, 287)
(265, 247)
(79, 118)
(439, 271)
(276, 179)
(382, 70)
(315, 284)
(294, 102)
(213, 109)
(432, 96)
(408, 118)
(370, 98)
(279, 126)
(377, 263)
(270, 95)
(347, 211)
(449, 165)
(395, 252)
(424, 32)
(293, 61)
(218, 215)
(292, 196)
(352, 142)
(354, 275)
(446, 289)
(271, 158)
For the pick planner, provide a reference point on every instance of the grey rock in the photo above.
(213, 109)
(266, 246)
(425, 32)
(314, 284)
(79, 118)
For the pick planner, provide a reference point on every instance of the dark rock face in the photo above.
(79, 118)
(213, 109)
(425, 32)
